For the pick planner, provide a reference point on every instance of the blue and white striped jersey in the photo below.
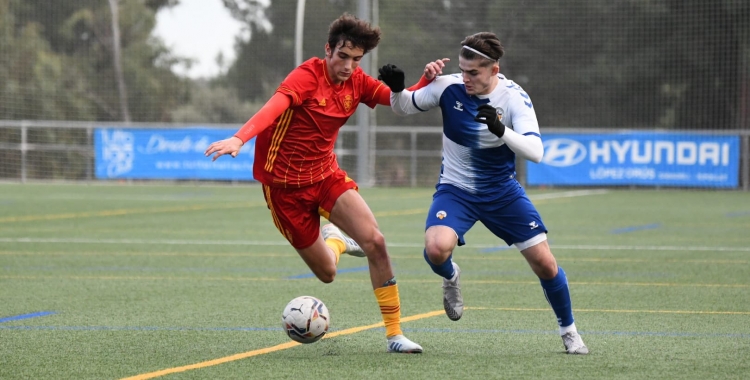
(474, 159)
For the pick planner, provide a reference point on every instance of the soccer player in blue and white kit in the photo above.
(488, 120)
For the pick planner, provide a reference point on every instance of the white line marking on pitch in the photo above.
(400, 245)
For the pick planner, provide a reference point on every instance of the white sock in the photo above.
(455, 272)
(565, 329)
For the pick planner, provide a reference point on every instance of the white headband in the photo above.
(478, 52)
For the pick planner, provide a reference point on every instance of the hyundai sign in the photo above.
(639, 158)
(168, 154)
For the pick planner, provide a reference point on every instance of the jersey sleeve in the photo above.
(410, 102)
(522, 116)
(373, 91)
(523, 136)
(299, 84)
(383, 93)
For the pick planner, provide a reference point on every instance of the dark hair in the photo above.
(485, 42)
(359, 33)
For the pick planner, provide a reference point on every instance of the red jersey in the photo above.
(297, 149)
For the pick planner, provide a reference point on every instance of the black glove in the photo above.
(393, 77)
(487, 114)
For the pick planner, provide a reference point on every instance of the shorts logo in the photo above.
(441, 214)
(348, 101)
(533, 224)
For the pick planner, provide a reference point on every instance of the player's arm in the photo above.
(263, 119)
(406, 102)
(527, 144)
(431, 71)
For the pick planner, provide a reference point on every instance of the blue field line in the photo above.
(419, 330)
(625, 230)
(26, 316)
(338, 271)
(152, 269)
(137, 328)
(737, 214)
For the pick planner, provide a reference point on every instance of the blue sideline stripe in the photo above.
(311, 275)
(636, 228)
(737, 214)
(26, 316)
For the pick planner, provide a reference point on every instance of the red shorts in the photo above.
(296, 212)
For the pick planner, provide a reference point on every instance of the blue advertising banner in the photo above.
(638, 158)
(168, 154)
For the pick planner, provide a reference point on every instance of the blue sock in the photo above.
(557, 294)
(445, 269)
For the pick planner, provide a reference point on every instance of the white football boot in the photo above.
(330, 231)
(574, 344)
(400, 344)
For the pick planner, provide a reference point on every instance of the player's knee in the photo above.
(547, 269)
(326, 276)
(374, 246)
(434, 253)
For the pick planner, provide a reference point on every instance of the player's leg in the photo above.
(555, 285)
(349, 211)
(447, 222)
(340, 243)
(519, 223)
(294, 212)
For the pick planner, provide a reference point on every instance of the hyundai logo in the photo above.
(563, 152)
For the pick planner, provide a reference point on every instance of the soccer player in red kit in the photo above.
(294, 160)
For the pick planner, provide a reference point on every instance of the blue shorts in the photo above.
(512, 217)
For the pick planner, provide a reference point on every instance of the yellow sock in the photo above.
(337, 246)
(390, 308)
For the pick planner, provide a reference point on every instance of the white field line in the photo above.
(564, 194)
(399, 245)
(568, 194)
(189, 196)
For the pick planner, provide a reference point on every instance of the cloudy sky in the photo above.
(198, 29)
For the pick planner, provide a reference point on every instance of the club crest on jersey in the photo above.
(348, 101)
(441, 214)
(500, 113)
(322, 102)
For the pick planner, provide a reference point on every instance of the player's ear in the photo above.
(328, 50)
(495, 69)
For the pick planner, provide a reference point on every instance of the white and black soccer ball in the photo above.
(305, 319)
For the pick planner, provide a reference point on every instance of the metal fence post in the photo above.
(413, 151)
(24, 147)
(745, 159)
(90, 155)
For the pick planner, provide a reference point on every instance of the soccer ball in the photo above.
(305, 319)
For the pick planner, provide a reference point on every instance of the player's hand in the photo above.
(433, 69)
(487, 114)
(229, 146)
(393, 77)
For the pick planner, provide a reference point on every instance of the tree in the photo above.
(73, 42)
(117, 60)
(211, 103)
